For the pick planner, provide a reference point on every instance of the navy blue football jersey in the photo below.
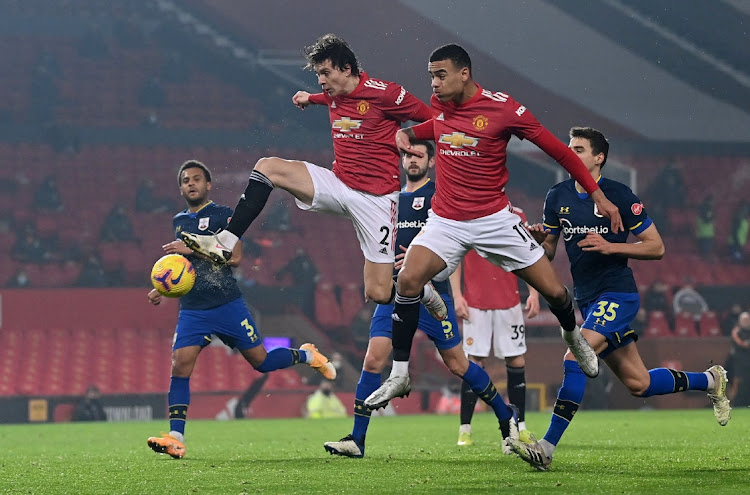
(214, 284)
(412, 216)
(572, 215)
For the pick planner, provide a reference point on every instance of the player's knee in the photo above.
(270, 167)
(557, 296)
(638, 387)
(409, 285)
(374, 364)
(458, 367)
(379, 294)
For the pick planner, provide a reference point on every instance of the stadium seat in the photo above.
(658, 327)
(709, 325)
(684, 326)
(327, 309)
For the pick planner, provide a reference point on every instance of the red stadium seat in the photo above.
(684, 326)
(658, 327)
(709, 325)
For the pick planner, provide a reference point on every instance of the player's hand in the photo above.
(404, 144)
(176, 247)
(301, 99)
(609, 210)
(539, 232)
(596, 243)
(154, 297)
(532, 306)
(461, 307)
(400, 258)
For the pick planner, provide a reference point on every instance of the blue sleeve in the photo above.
(634, 215)
(550, 220)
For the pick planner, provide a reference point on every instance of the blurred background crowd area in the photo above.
(103, 101)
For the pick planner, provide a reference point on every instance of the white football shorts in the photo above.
(500, 329)
(374, 217)
(501, 238)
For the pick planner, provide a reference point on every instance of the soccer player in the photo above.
(486, 298)
(607, 294)
(414, 203)
(472, 129)
(213, 306)
(365, 181)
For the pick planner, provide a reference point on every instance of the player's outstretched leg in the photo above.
(320, 362)
(167, 444)
(718, 395)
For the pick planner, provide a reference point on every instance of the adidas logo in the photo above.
(533, 247)
(395, 317)
(440, 117)
(384, 251)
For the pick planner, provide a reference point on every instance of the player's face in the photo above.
(447, 80)
(416, 168)
(582, 148)
(193, 186)
(335, 82)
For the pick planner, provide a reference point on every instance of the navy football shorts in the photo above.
(611, 314)
(231, 322)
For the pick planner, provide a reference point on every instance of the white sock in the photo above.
(227, 239)
(711, 381)
(400, 368)
(428, 292)
(547, 447)
(521, 425)
(309, 358)
(178, 436)
(464, 429)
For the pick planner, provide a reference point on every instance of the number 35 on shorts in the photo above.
(606, 310)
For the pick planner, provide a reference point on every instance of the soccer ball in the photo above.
(173, 275)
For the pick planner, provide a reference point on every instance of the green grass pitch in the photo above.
(602, 452)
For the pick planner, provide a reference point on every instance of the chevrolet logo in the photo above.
(346, 124)
(458, 140)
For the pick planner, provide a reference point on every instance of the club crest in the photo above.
(418, 203)
(203, 223)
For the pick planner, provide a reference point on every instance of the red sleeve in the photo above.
(318, 99)
(424, 131)
(402, 105)
(548, 143)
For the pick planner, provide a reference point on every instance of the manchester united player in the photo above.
(486, 298)
(470, 210)
(414, 203)
(365, 113)
(607, 294)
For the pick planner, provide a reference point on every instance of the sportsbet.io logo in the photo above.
(569, 230)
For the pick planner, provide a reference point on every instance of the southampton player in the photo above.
(471, 130)
(486, 298)
(213, 306)
(606, 293)
(363, 186)
(414, 203)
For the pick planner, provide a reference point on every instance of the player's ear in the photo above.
(208, 186)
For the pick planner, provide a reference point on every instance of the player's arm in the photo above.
(405, 136)
(532, 302)
(302, 99)
(236, 258)
(544, 236)
(459, 302)
(649, 246)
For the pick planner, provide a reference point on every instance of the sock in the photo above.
(178, 399)
(251, 203)
(177, 435)
(568, 399)
(565, 314)
(400, 368)
(468, 403)
(426, 293)
(405, 320)
(480, 383)
(228, 239)
(517, 390)
(668, 381)
(283, 357)
(465, 428)
(368, 383)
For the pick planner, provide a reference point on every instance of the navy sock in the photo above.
(280, 358)
(251, 203)
(480, 383)
(668, 381)
(565, 314)
(405, 321)
(468, 403)
(368, 383)
(178, 399)
(568, 399)
(517, 389)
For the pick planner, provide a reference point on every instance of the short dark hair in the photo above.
(193, 164)
(427, 144)
(331, 47)
(599, 143)
(453, 52)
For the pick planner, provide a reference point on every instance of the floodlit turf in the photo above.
(612, 452)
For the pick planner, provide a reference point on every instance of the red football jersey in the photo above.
(363, 126)
(471, 141)
(486, 286)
